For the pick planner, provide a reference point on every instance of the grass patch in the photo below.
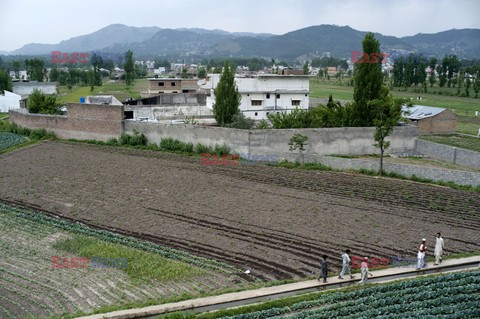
(118, 89)
(460, 141)
(141, 265)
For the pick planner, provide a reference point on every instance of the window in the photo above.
(256, 113)
(174, 91)
(267, 113)
(128, 115)
(184, 91)
(278, 96)
(295, 102)
(306, 94)
(256, 102)
(268, 95)
(161, 83)
(174, 84)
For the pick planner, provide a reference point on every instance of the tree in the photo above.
(460, 78)
(476, 84)
(5, 81)
(305, 68)
(368, 82)
(16, 69)
(389, 112)
(202, 73)
(298, 141)
(38, 102)
(35, 69)
(129, 68)
(96, 62)
(227, 98)
(468, 83)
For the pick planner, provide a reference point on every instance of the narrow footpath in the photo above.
(264, 294)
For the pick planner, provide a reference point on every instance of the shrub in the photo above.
(112, 141)
(241, 122)
(173, 145)
(221, 150)
(136, 139)
(38, 102)
(200, 148)
(262, 125)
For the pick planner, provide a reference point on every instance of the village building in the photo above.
(9, 101)
(265, 94)
(431, 120)
(171, 85)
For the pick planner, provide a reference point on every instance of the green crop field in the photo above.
(464, 107)
(454, 295)
(8, 140)
(31, 287)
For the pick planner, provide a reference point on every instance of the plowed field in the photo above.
(275, 222)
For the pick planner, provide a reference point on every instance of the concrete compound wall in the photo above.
(448, 154)
(83, 121)
(325, 141)
(26, 88)
(436, 174)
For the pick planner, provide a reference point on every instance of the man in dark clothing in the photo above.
(323, 269)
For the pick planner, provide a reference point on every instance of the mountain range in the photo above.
(312, 41)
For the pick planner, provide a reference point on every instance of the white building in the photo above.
(265, 94)
(9, 101)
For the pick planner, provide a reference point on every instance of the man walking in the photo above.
(438, 249)
(323, 269)
(365, 271)
(346, 265)
(421, 254)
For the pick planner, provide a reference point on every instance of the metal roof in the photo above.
(418, 112)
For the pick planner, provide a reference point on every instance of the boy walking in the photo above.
(346, 265)
(323, 269)
(365, 271)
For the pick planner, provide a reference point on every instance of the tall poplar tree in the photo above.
(227, 98)
(129, 68)
(368, 81)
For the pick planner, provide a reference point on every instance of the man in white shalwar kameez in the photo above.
(421, 254)
(346, 265)
(438, 249)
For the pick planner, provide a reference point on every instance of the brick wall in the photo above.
(444, 122)
(83, 121)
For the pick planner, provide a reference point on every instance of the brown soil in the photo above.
(275, 222)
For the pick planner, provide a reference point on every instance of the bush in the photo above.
(173, 145)
(221, 150)
(136, 139)
(34, 134)
(241, 122)
(38, 102)
(200, 148)
(262, 125)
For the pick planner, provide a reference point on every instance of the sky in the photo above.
(51, 21)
